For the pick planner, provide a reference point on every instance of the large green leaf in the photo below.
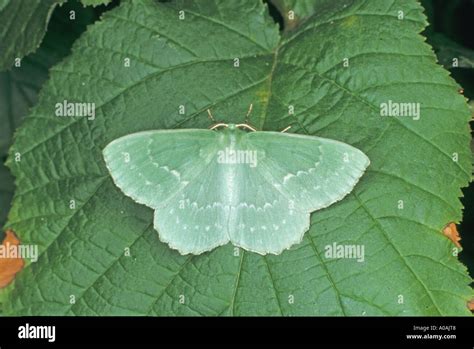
(409, 266)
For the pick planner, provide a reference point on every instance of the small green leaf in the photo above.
(3, 3)
(6, 193)
(18, 92)
(296, 11)
(24, 24)
(95, 2)
(450, 54)
(146, 66)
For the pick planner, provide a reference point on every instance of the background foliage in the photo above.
(111, 284)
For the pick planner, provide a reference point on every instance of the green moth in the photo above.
(231, 183)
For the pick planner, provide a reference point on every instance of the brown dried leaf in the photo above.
(452, 233)
(9, 266)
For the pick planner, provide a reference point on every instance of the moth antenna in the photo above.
(246, 126)
(285, 129)
(210, 115)
(248, 113)
(220, 124)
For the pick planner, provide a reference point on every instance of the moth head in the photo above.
(244, 126)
